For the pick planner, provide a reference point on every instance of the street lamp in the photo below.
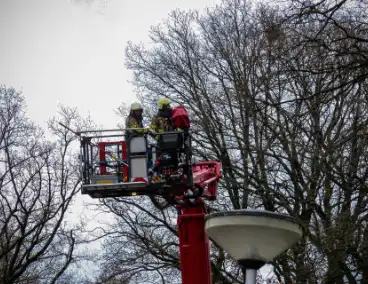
(252, 237)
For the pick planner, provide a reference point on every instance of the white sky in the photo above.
(63, 51)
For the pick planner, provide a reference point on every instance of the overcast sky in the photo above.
(64, 51)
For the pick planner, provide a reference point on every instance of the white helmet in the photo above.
(136, 106)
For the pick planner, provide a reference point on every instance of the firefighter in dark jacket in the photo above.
(162, 122)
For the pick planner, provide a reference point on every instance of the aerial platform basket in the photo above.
(120, 168)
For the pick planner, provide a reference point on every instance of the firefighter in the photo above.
(161, 122)
(134, 119)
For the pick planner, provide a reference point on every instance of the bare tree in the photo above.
(190, 66)
(284, 111)
(38, 181)
(290, 136)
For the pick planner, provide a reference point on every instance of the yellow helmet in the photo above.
(136, 106)
(163, 102)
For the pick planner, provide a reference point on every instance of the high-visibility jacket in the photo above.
(161, 124)
(132, 122)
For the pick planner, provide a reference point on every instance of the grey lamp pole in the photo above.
(250, 276)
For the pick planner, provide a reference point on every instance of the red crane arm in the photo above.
(194, 245)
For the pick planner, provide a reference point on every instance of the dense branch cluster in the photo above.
(38, 181)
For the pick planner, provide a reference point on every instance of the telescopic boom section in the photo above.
(195, 263)
(194, 246)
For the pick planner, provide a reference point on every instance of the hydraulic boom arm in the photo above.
(193, 242)
(122, 168)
